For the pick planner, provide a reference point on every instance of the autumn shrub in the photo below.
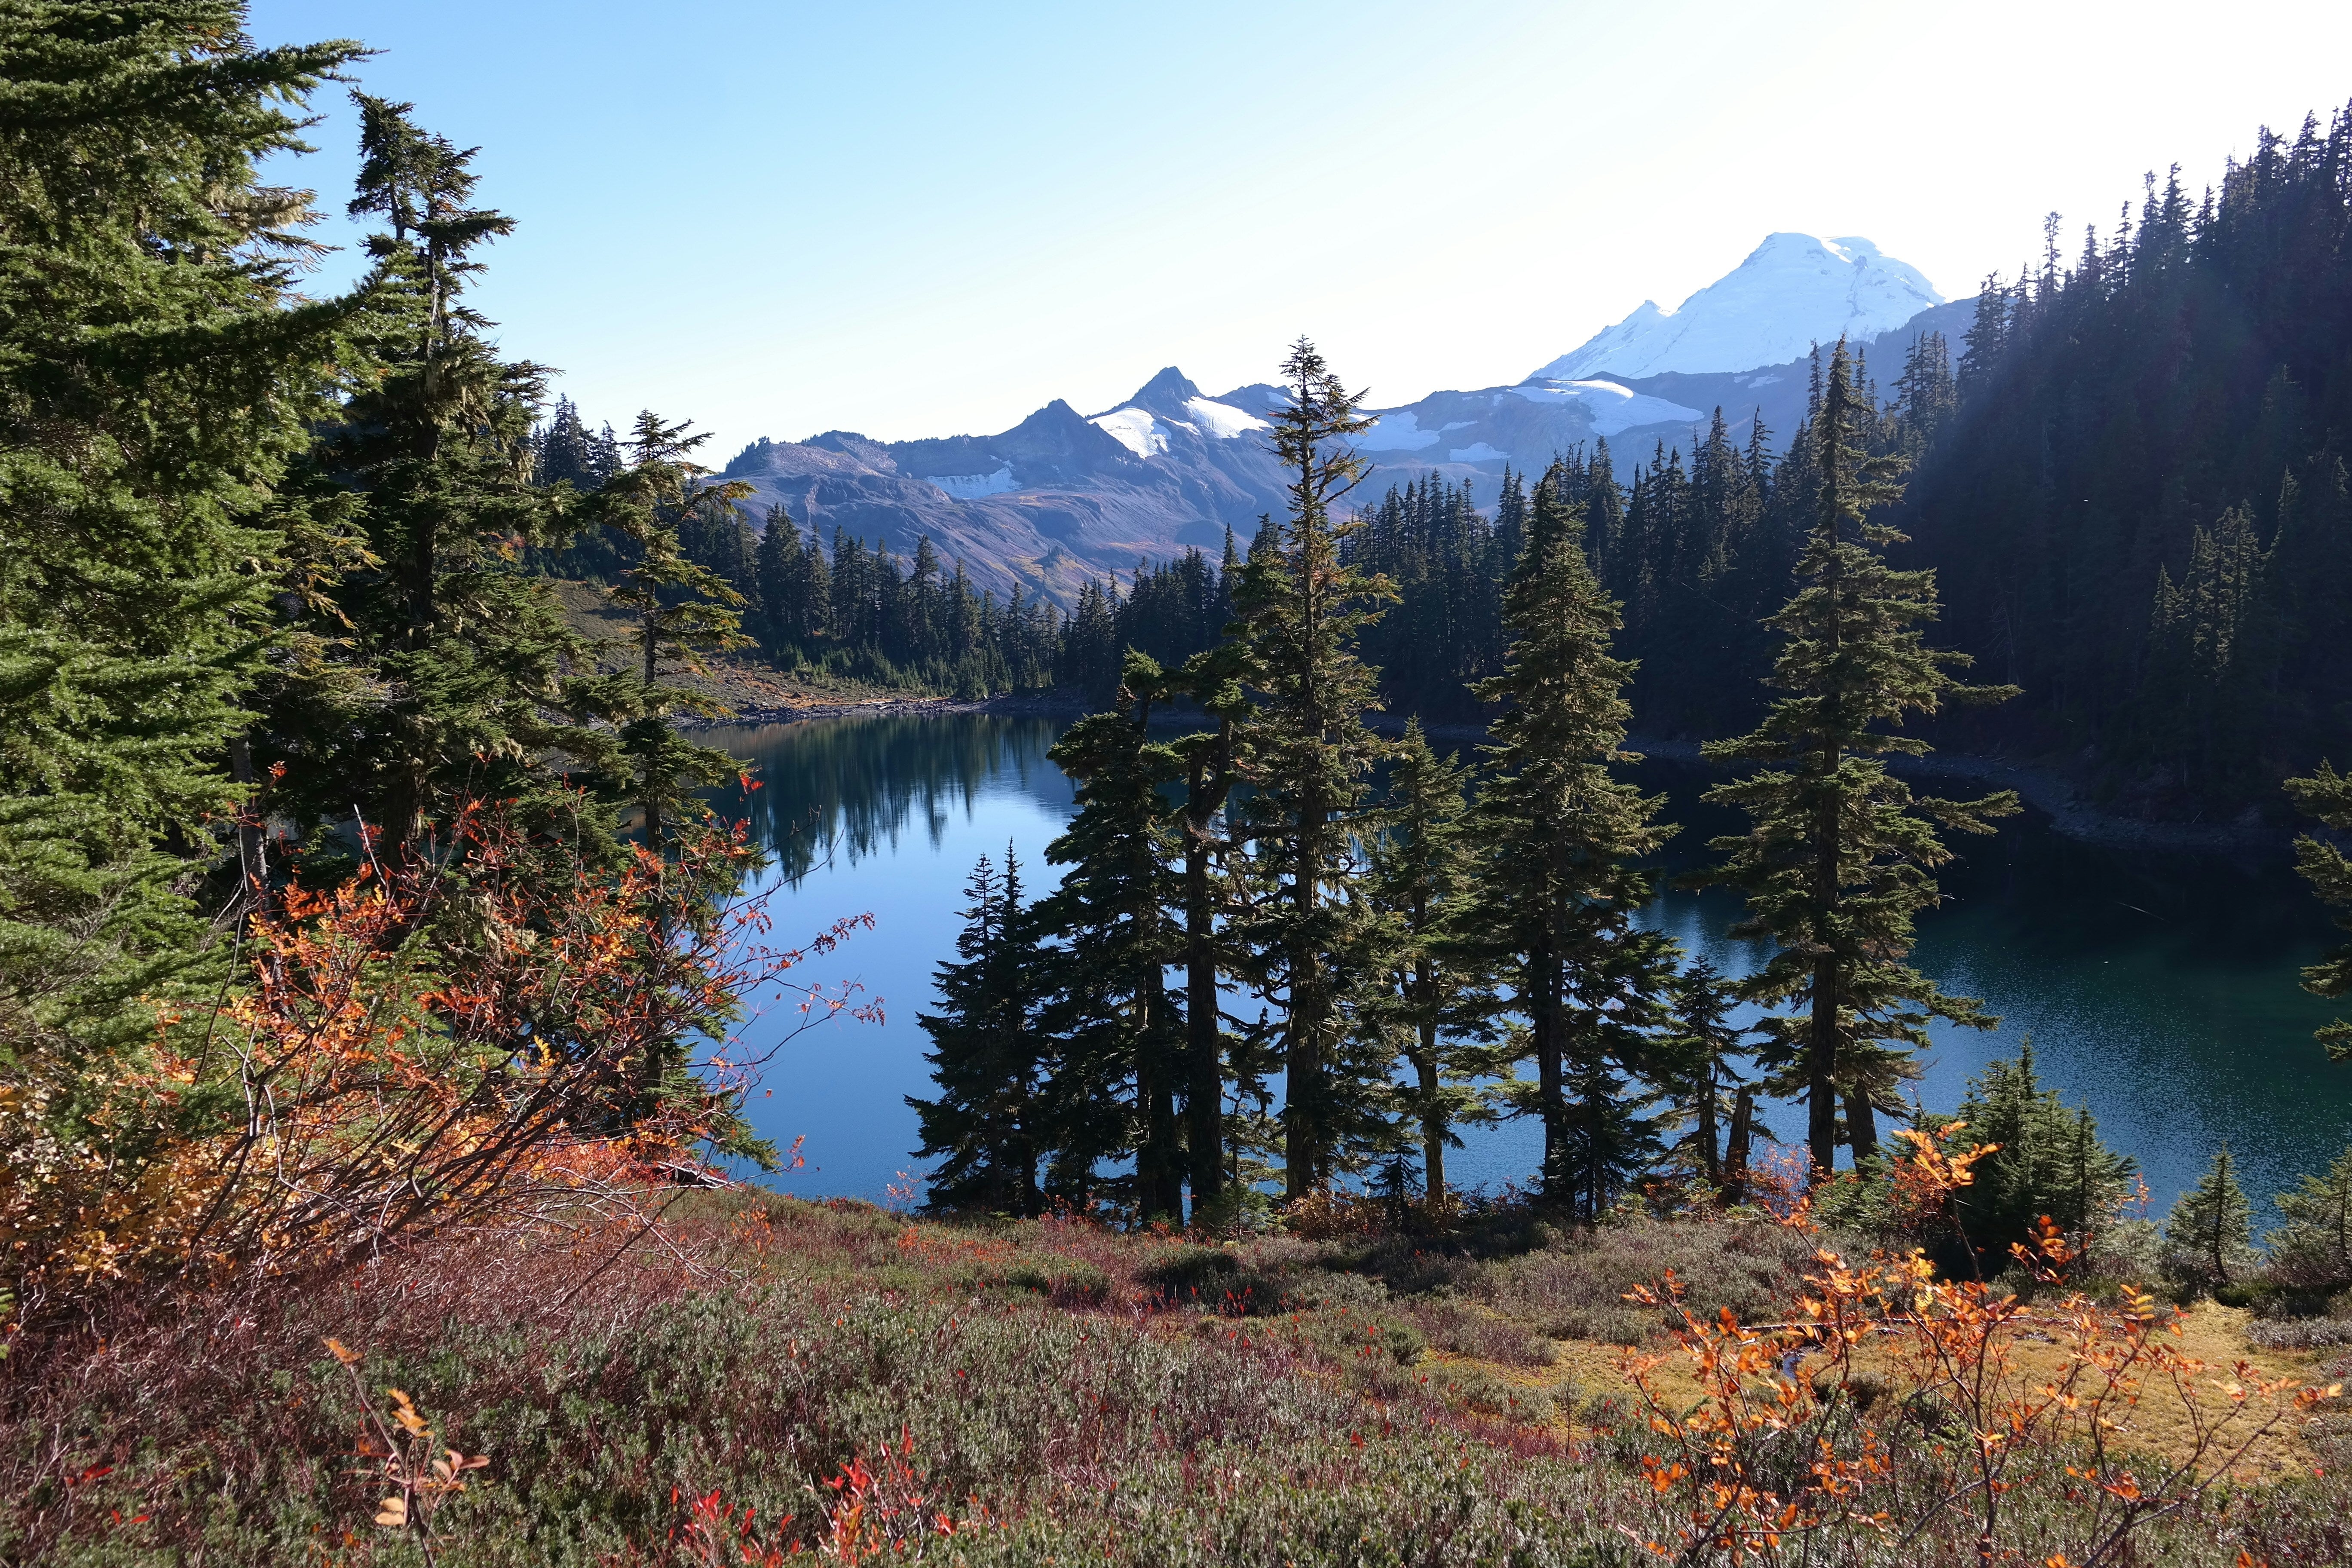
(747, 1385)
(456, 1041)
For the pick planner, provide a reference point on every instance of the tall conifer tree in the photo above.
(988, 1055)
(466, 661)
(2328, 795)
(1835, 866)
(1421, 878)
(1309, 759)
(683, 609)
(1121, 1026)
(1557, 886)
(159, 369)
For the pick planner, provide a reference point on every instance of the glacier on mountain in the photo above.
(1133, 429)
(972, 486)
(1612, 408)
(1397, 432)
(1222, 420)
(1792, 291)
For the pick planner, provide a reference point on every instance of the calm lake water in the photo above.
(2158, 988)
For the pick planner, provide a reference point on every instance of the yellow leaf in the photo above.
(348, 1357)
(393, 1511)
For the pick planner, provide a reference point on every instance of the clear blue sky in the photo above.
(916, 219)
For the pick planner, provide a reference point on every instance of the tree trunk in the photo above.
(1160, 1189)
(1205, 1081)
(1304, 1155)
(1433, 1111)
(1544, 1025)
(1710, 1164)
(1861, 1122)
(1735, 1151)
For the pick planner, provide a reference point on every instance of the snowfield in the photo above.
(1794, 291)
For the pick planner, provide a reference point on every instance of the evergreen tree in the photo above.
(2209, 1236)
(682, 609)
(2046, 1162)
(1211, 767)
(451, 675)
(2313, 1249)
(1421, 878)
(1309, 758)
(1834, 868)
(2328, 795)
(1697, 1055)
(159, 367)
(1558, 887)
(988, 1056)
(1120, 1028)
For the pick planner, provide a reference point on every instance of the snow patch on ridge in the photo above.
(1134, 429)
(1223, 420)
(1399, 432)
(972, 486)
(1611, 408)
(1479, 452)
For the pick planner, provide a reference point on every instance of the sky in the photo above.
(906, 220)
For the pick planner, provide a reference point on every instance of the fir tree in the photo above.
(1211, 767)
(2046, 1162)
(1309, 757)
(2313, 1249)
(1697, 1055)
(1558, 887)
(988, 1056)
(450, 675)
(2328, 795)
(1421, 878)
(1121, 1027)
(2209, 1236)
(159, 369)
(682, 609)
(1835, 866)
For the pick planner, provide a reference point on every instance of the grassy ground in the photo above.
(770, 1375)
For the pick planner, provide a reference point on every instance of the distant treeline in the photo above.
(2132, 485)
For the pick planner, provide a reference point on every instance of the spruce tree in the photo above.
(1309, 755)
(1558, 885)
(1421, 878)
(2209, 1236)
(1211, 767)
(2328, 795)
(1835, 867)
(989, 1055)
(2313, 1249)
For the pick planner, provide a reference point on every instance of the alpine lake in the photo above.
(2158, 987)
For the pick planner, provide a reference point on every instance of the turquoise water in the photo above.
(2158, 988)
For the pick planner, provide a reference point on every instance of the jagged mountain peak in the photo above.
(1165, 393)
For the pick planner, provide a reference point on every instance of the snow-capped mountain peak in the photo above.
(1167, 404)
(1792, 291)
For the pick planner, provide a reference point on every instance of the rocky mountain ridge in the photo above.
(1063, 497)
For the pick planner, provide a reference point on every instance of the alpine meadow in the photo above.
(1735, 952)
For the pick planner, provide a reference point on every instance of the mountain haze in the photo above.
(1063, 498)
